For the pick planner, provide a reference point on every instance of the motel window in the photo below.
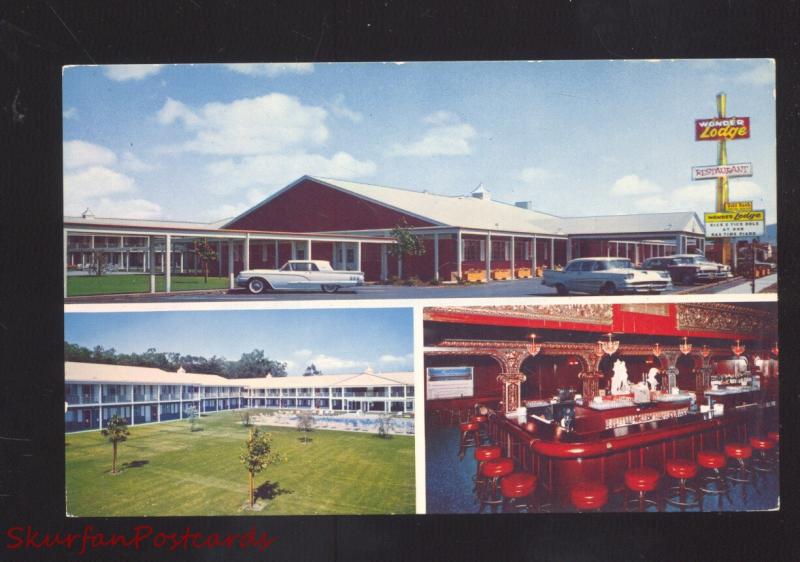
(300, 253)
(351, 255)
(499, 250)
(409, 391)
(522, 249)
(473, 250)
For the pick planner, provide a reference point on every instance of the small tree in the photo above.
(406, 242)
(257, 455)
(206, 253)
(384, 426)
(311, 371)
(305, 423)
(117, 432)
(193, 415)
(99, 262)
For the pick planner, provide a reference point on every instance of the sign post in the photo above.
(720, 130)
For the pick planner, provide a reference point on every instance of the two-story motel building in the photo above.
(95, 392)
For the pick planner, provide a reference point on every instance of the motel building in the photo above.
(96, 392)
(349, 224)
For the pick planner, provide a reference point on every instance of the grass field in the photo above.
(83, 285)
(168, 470)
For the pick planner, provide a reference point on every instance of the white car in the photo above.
(298, 275)
(605, 276)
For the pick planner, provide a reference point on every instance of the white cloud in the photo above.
(128, 208)
(441, 117)
(70, 113)
(340, 110)
(95, 181)
(78, 154)
(224, 211)
(269, 123)
(270, 170)
(329, 364)
(761, 75)
(634, 185)
(271, 69)
(303, 354)
(124, 72)
(534, 176)
(446, 138)
(389, 359)
(130, 162)
(176, 111)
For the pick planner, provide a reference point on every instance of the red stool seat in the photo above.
(589, 495)
(478, 419)
(469, 426)
(497, 467)
(738, 450)
(774, 436)
(761, 443)
(487, 452)
(711, 459)
(518, 485)
(641, 479)
(681, 468)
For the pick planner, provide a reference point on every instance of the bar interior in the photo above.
(602, 407)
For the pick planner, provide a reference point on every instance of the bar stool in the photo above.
(482, 454)
(517, 486)
(493, 471)
(714, 483)
(589, 496)
(483, 433)
(683, 470)
(740, 452)
(763, 445)
(641, 480)
(469, 437)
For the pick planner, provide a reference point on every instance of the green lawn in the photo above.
(177, 472)
(82, 285)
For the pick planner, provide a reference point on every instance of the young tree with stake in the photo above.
(257, 455)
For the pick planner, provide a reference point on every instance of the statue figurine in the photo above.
(619, 382)
(651, 379)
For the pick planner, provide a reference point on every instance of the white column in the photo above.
(277, 262)
(133, 411)
(436, 256)
(151, 259)
(678, 244)
(384, 261)
(488, 256)
(64, 265)
(246, 250)
(83, 260)
(513, 256)
(459, 253)
(358, 256)
(636, 252)
(168, 264)
(533, 258)
(400, 266)
(219, 257)
(230, 257)
(552, 253)
(294, 250)
(569, 249)
(181, 266)
(308, 249)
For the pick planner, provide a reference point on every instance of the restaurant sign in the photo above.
(734, 224)
(722, 128)
(738, 206)
(745, 169)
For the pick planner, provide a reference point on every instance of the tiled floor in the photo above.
(449, 482)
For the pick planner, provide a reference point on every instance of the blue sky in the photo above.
(336, 341)
(205, 142)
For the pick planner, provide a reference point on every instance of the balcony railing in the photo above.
(81, 399)
(364, 394)
(169, 397)
(116, 398)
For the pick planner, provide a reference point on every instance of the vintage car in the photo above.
(689, 268)
(299, 275)
(605, 276)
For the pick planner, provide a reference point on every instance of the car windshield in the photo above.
(614, 264)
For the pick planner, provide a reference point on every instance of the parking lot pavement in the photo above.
(514, 288)
(744, 287)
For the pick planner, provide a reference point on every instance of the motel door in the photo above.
(344, 256)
